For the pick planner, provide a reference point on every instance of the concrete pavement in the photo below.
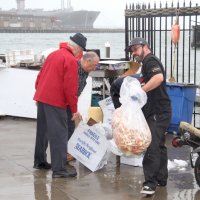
(19, 181)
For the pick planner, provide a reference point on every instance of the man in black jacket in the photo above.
(157, 112)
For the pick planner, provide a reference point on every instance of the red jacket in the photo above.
(57, 82)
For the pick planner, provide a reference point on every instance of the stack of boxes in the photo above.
(16, 57)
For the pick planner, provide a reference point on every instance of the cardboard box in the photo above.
(96, 114)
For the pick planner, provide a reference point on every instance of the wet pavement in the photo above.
(19, 181)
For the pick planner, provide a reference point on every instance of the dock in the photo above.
(19, 180)
(82, 30)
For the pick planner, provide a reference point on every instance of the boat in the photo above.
(34, 19)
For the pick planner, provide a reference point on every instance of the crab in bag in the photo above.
(130, 129)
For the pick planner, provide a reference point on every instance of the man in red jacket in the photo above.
(56, 88)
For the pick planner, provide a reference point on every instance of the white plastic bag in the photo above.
(130, 129)
(113, 148)
(108, 108)
(134, 160)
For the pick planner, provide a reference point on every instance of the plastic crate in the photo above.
(95, 99)
(182, 100)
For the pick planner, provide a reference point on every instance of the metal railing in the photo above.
(154, 24)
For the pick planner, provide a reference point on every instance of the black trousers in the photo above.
(155, 159)
(52, 128)
(70, 123)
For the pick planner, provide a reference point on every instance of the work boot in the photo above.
(44, 165)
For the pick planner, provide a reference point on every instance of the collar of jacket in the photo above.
(64, 45)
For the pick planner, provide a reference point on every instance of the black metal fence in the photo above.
(154, 24)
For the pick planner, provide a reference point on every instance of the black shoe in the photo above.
(147, 190)
(44, 165)
(161, 184)
(64, 174)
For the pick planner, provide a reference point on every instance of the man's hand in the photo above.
(76, 117)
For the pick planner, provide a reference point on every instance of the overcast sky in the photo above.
(112, 11)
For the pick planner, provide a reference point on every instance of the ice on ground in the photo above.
(177, 164)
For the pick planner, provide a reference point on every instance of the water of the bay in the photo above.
(42, 41)
(188, 58)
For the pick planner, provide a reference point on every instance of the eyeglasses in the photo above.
(135, 48)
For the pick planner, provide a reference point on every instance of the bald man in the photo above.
(86, 64)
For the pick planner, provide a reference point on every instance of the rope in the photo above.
(174, 63)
